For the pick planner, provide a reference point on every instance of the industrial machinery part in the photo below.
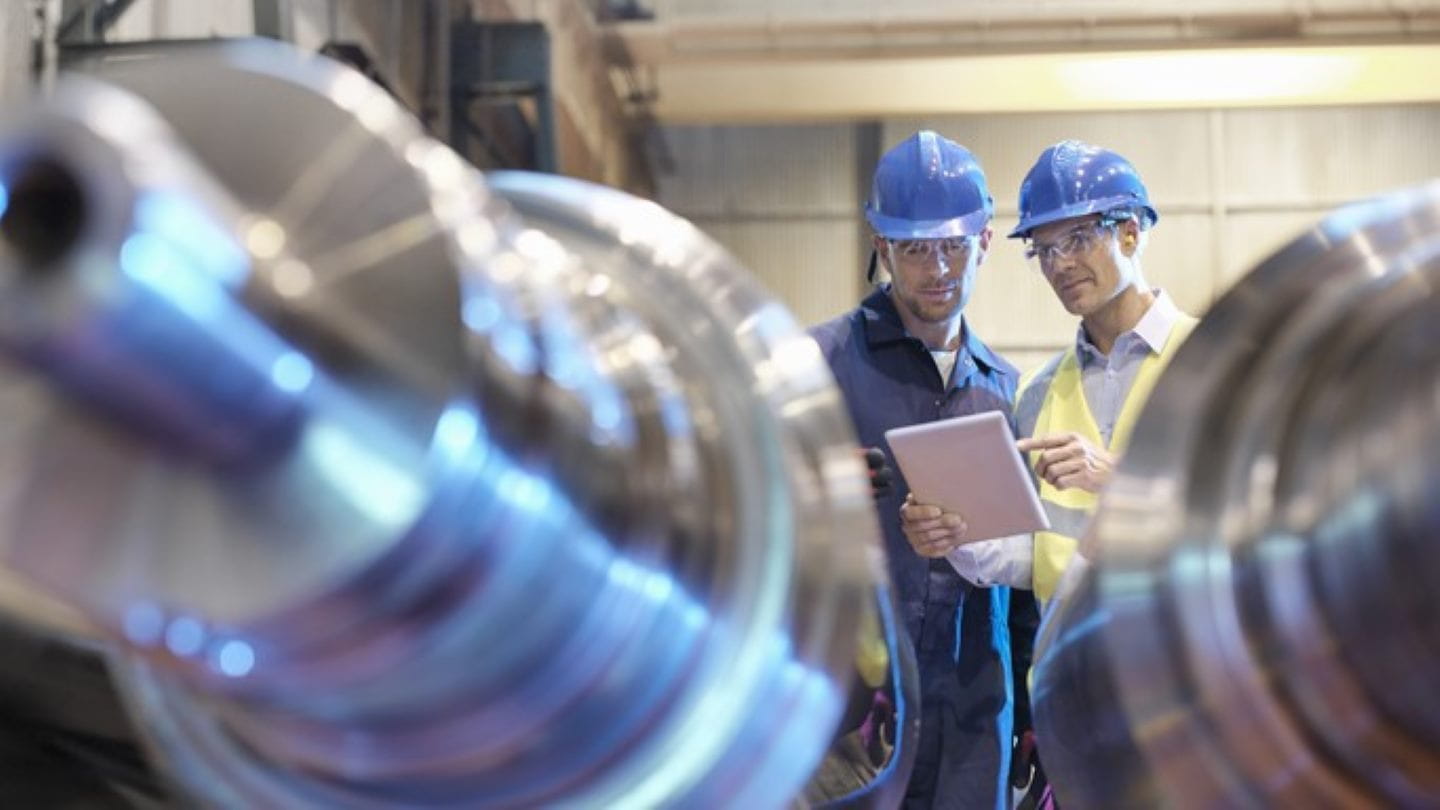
(391, 496)
(1259, 626)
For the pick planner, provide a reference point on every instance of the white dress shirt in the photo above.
(1002, 561)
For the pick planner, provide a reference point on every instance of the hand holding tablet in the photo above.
(969, 465)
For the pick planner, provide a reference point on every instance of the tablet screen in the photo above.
(969, 465)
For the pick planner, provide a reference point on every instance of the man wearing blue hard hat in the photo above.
(907, 355)
(1085, 217)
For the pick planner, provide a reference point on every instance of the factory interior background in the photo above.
(760, 120)
(686, 451)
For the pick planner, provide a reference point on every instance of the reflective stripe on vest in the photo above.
(1064, 410)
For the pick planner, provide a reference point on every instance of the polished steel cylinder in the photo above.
(1258, 624)
(392, 496)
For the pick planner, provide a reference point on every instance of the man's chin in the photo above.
(1077, 306)
(939, 315)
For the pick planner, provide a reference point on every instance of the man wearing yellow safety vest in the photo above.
(1085, 217)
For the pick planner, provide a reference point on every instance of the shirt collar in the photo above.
(1153, 328)
(883, 325)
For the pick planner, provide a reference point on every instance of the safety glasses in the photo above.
(1075, 242)
(953, 249)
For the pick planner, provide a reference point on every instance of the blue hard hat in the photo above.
(1072, 179)
(928, 187)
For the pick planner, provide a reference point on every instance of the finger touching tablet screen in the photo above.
(969, 465)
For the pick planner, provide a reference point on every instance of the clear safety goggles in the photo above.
(1075, 242)
(915, 251)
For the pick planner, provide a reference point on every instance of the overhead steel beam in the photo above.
(798, 34)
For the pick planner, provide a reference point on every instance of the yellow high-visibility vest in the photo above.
(1064, 410)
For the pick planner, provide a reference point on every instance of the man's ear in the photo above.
(985, 237)
(877, 244)
(1129, 237)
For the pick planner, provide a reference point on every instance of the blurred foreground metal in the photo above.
(1260, 626)
(389, 496)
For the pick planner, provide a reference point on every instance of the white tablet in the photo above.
(969, 465)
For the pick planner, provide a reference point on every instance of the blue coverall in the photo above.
(960, 632)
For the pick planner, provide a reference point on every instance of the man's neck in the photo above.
(936, 336)
(1119, 315)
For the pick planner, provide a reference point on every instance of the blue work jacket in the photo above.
(960, 632)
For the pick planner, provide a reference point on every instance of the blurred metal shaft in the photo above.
(396, 498)
(1259, 627)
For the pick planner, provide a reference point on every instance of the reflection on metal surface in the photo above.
(1259, 627)
(395, 495)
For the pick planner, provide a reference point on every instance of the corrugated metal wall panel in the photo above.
(814, 267)
(174, 19)
(1180, 257)
(751, 172)
(1254, 236)
(15, 78)
(1284, 159)
(784, 200)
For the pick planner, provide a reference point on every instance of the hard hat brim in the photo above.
(1081, 209)
(897, 228)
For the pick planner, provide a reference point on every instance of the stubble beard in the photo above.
(932, 313)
